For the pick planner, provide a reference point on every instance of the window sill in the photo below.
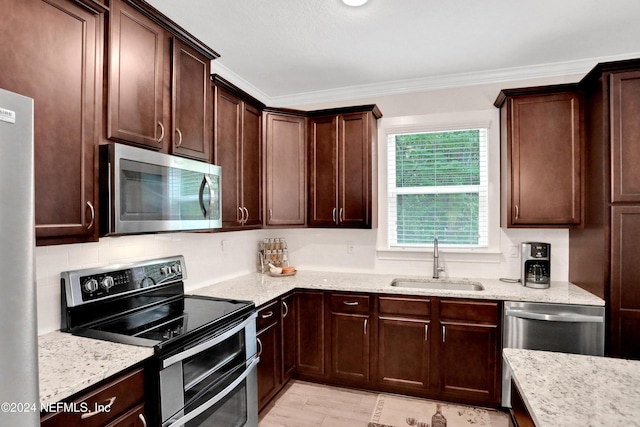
(463, 255)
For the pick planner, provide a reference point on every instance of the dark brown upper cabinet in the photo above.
(541, 133)
(237, 149)
(342, 146)
(159, 90)
(59, 65)
(286, 167)
(192, 103)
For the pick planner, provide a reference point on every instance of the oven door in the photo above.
(212, 382)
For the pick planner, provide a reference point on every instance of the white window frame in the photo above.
(434, 123)
(481, 189)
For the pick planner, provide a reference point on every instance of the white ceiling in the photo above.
(302, 51)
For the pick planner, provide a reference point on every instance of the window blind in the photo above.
(437, 185)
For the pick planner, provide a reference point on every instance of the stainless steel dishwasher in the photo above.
(564, 328)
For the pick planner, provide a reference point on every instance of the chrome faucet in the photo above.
(436, 268)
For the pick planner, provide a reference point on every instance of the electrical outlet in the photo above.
(350, 247)
(514, 251)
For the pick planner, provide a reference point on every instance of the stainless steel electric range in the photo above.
(204, 369)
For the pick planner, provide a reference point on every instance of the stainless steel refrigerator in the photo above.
(19, 394)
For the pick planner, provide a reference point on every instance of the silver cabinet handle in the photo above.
(351, 303)
(285, 312)
(179, 143)
(93, 215)
(266, 315)
(260, 348)
(560, 317)
(241, 215)
(161, 132)
(103, 408)
(246, 211)
(426, 332)
(340, 216)
(365, 326)
(333, 215)
(517, 211)
(444, 333)
(141, 418)
(270, 214)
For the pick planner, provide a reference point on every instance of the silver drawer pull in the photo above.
(266, 315)
(351, 303)
(286, 309)
(102, 408)
(143, 420)
(426, 332)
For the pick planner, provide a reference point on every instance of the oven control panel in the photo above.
(93, 284)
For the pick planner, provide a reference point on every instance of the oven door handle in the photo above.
(209, 343)
(560, 317)
(173, 422)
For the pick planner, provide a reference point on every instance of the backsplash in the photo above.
(214, 257)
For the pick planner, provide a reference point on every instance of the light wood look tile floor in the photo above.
(303, 404)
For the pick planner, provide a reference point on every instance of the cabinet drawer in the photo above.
(115, 398)
(349, 303)
(418, 307)
(268, 315)
(480, 311)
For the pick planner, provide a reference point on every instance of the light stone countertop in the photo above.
(69, 364)
(567, 390)
(261, 288)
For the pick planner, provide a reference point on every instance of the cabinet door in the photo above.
(191, 103)
(350, 334)
(625, 282)
(404, 352)
(469, 356)
(323, 171)
(136, 73)
(354, 174)
(59, 65)
(310, 334)
(251, 165)
(227, 139)
(288, 324)
(544, 149)
(625, 136)
(286, 171)
(269, 365)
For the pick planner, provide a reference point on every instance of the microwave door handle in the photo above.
(206, 181)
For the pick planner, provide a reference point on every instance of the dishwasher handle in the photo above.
(566, 317)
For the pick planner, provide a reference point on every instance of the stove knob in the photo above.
(90, 286)
(107, 283)
(164, 270)
(176, 268)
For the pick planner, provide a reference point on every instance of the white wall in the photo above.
(209, 261)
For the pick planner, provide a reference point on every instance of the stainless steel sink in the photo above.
(444, 284)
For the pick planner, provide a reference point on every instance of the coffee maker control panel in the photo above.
(539, 250)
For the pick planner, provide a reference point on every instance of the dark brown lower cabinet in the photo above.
(269, 351)
(350, 338)
(438, 348)
(288, 310)
(520, 416)
(469, 352)
(404, 343)
(310, 335)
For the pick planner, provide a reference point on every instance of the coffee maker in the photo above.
(535, 269)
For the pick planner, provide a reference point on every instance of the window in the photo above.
(438, 188)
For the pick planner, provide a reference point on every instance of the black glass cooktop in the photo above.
(170, 323)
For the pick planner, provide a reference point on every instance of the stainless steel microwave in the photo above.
(142, 191)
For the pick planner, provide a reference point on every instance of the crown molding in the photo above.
(425, 84)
